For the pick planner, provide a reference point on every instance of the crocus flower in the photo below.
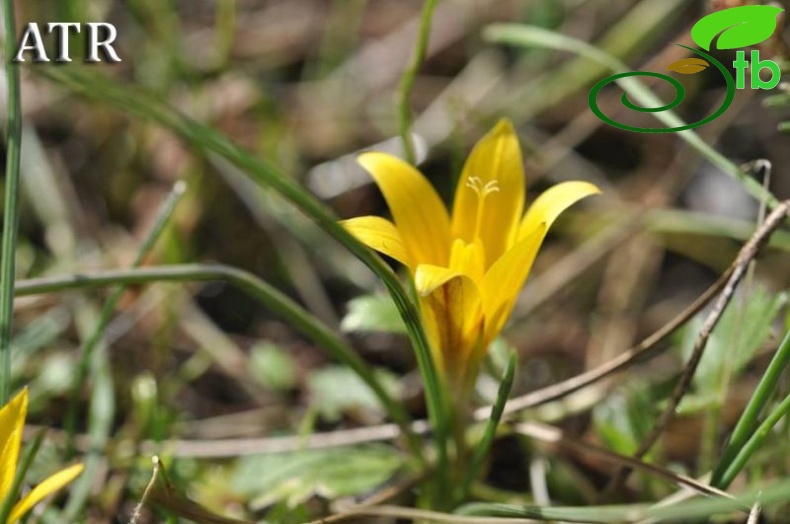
(12, 422)
(469, 267)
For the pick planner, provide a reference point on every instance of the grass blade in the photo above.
(491, 426)
(408, 78)
(100, 419)
(206, 139)
(747, 435)
(11, 209)
(270, 297)
(86, 352)
(93, 356)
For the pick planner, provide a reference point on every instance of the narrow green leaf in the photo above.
(754, 443)
(410, 76)
(686, 511)
(207, 140)
(493, 421)
(296, 477)
(13, 136)
(297, 316)
(746, 435)
(94, 340)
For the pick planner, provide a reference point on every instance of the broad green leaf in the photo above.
(373, 313)
(742, 330)
(624, 419)
(296, 477)
(739, 27)
(337, 389)
(732, 345)
(272, 366)
(164, 495)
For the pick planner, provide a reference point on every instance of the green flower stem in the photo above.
(745, 440)
(409, 77)
(86, 352)
(11, 210)
(256, 288)
(207, 140)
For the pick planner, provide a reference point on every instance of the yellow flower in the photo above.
(467, 268)
(12, 422)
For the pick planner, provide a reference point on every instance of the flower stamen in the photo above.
(482, 190)
(475, 183)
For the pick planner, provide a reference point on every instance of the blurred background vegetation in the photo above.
(305, 85)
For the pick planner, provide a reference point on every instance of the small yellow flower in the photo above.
(12, 422)
(467, 268)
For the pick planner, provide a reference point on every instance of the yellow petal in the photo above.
(453, 314)
(50, 485)
(379, 234)
(468, 259)
(428, 277)
(489, 199)
(504, 281)
(548, 206)
(416, 208)
(12, 422)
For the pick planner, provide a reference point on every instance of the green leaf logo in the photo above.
(739, 26)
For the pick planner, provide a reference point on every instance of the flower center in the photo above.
(482, 190)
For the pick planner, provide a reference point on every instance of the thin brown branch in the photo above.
(380, 497)
(625, 359)
(419, 515)
(550, 434)
(736, 272)
(218, 448)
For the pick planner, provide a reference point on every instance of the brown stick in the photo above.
(736, 272)
(625, 359)
(551, 434)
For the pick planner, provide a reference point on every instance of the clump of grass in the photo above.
(166, 363)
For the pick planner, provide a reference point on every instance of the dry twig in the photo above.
(736, 272)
